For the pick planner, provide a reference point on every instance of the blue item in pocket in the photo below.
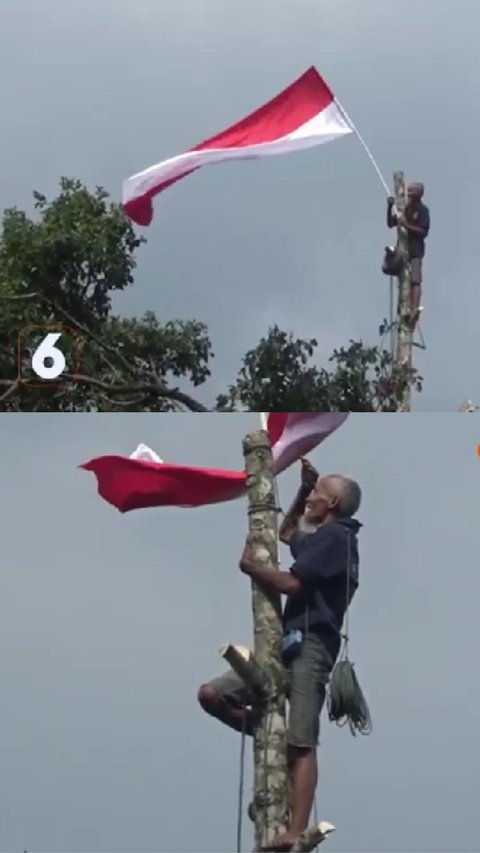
(291, 644)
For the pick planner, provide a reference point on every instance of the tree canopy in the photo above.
(60, 270)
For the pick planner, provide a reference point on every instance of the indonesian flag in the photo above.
(305, 114)
(143, 480)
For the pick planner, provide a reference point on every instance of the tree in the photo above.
(64, 266)
(280, 374)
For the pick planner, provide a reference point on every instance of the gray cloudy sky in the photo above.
(108, 623)
(99, 90)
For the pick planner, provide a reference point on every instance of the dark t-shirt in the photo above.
(421, 219)
(321, 564)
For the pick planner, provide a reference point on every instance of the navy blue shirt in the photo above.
(321, 564)
(420, 217)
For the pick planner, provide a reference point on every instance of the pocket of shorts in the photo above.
(318, 660)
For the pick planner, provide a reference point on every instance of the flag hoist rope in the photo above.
(387, 190)
(364, 146)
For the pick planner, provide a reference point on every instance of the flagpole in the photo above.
(264, 424)
(364, 146)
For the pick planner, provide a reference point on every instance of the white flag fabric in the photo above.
(144, 452)
(303, 115)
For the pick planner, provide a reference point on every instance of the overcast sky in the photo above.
(109, 622)
(100, 89)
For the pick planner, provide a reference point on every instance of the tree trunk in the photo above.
(263, 670)
(403, 355)
(269, 742)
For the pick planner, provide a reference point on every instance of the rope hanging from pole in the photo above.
(241, 783)
(346, 702)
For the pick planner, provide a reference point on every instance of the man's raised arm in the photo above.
(392, 219)
(290, 522)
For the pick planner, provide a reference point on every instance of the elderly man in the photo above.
(316, 599)
(417, 222)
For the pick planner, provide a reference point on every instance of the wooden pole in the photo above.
(263, 670)
(403, 353)
(270, 804)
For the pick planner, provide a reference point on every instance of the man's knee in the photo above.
(209, 698)
(296, 752)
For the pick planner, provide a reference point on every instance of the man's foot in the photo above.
(282, 843)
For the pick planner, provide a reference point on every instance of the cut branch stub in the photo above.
(244, 664)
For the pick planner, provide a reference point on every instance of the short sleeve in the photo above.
(321, 558)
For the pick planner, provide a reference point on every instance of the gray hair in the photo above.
(348, 492)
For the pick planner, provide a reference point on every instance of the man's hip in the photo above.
(307, 679)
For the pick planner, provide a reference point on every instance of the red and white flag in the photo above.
(294, 434)
(143, 480)
(305, 114)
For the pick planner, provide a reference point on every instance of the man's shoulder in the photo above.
(341, 534)
(326, 534)
(299, 540)
(330, 534)
(303, 539)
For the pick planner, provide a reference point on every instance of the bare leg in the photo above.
(227, 712)
(415, 296)
(304, 783)
(304, 777)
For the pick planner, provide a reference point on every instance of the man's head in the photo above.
(333, 497)
(415, 192)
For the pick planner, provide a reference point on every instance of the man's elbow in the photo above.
(286, 531)
(285, 536)
(294, 585)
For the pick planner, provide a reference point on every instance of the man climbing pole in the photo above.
(417, 222)
(325, 567)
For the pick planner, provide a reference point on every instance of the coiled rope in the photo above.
(346, 703)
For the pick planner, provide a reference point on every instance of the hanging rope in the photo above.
(346, 702)
(241, 782)
(253, 806)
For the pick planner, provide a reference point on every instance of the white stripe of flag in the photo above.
(303, 115)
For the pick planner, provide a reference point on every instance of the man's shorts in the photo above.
(307, 679)
(416, 270)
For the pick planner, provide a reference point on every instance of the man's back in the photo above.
(420, 217)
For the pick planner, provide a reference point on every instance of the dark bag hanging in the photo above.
(392, 262)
